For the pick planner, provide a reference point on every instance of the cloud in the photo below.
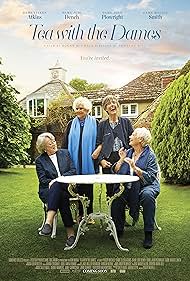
(60, 4)
(143, 4)
(177, 48)
(11, 12)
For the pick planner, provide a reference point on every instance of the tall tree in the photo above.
(171, 131)
(14, 126)
(60, 111)
(82, 85)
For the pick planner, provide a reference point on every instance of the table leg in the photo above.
(111, 225)
(113, 232)
(82, 228)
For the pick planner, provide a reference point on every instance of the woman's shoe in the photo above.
(70, 241)
(147, 244)
(46, 229)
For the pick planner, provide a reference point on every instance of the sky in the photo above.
(28, 56)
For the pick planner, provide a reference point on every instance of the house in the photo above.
(136, 96)
(36, 103)
(146, 117)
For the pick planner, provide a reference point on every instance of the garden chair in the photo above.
(141, 208)
(74, 210)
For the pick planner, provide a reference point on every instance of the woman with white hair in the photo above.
(140, 160)
(80, 139)
(50, 164)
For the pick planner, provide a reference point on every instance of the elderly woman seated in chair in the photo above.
(51, 164)
(139, 160)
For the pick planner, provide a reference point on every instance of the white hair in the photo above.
(144, 134)
(40, 143)
(82, 101)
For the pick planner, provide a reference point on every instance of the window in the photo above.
(37, 107)
(129, 110)
(125, 110)
(97, 111)
(30, 107)
(40, 107)
(133, 108)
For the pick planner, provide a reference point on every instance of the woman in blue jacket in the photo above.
(51, 164)
(140, 160)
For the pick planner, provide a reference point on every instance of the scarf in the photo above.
(88, 143)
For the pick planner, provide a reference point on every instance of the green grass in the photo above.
(21, 215)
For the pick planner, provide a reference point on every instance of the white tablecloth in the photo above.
(98, 178)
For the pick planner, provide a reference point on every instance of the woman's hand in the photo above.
(136, 169)
(122, 153)
(131, 162)
(96, 152)
(105, 164)
(95, 155)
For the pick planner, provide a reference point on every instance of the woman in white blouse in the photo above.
(51, 164)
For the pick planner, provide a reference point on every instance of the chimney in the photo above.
(166, 80)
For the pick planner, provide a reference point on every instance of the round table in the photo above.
(96, 179)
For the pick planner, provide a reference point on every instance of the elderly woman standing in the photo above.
(51, 164)
(80, 139)
(140, 160)
(113, 133)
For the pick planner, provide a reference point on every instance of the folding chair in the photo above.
(74, 210)
(141, 211)
(141, 208)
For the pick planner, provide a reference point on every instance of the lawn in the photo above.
(21, 245)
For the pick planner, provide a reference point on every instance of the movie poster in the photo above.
(111, 42)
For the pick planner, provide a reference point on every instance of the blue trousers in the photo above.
(147, 197)
(147, 201)
(58, 199)
(129, 197)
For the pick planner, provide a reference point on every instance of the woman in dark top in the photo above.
(80, 139)
(50, 164)
(113, 133)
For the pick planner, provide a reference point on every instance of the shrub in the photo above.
(171, 131)
(14, 126)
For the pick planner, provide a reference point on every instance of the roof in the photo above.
(145, 118)
(146, 87)
(57, 84)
